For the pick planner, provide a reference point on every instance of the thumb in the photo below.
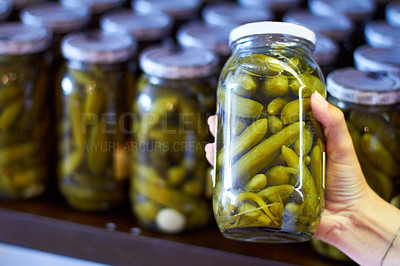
(339, 146)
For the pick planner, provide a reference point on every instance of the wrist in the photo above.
(364, 232)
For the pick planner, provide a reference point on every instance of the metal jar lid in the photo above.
(177, 9)
(61, 19)
(367, 88)
(18, 39)
(169, 63)
(231, 14)
(143, 27)
(19, 4)
(276, 5)
(272, 27)
(326, 51)
(356, 10)
(197, 35)
(337, 27)
(367, 58)
(98, 47)
(382, 35)
(95, 6)
(392, 12)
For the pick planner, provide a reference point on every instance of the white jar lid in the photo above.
(367, 58)
(276, 5)
(169, 63)
(95, 6)
(97, 47)
(231, 14)
(5, 9)
(368, 88)
(17, 38)
(272, 27)
(382, 35)
(326, 51)
(144, 27)
(61, 19)
(337, 27)
(392, 12)
(177, 9)
(19, 4)
(200, 36)
(356, 10)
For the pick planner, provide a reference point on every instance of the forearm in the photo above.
(366, 233)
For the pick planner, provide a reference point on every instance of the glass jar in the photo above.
(96, 7)
(335, 26)
(181, 11)
(198, 35)
(371, 104)
(25, 133)
(5, 9)
(93, 136)
(60, 19)
(149, 29)
(380, 34)
(278, 7)
(270, 148)
(392, 13)
(169, 178)
(367, 58)
(325, 54)
(232, 15)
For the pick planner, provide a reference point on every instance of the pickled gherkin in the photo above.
(94, 144)
(25, 111)
(169, 181)
(269, 184)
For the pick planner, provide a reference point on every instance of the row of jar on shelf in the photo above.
(342, 27)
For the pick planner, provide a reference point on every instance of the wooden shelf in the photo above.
(115, 237)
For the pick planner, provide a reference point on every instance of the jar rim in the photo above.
(177, 9)
(5, 9)
(392, 13)
(95, 6)
(271, 27)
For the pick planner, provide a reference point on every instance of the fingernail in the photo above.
(209, 120)
(321, 100)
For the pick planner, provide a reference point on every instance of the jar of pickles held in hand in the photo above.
(93, 119)
(269, 161)
(25, 116)
(169, 177)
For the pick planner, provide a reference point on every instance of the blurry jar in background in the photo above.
(181, 11)
(198, 35)
(367, 58)
(93, 137)
(231, 15)
(392, 13)
(360, 12)
(168, 183)
(17, 5)
(325, 54)
(277, 7)
(25, 134)
(380, 34)
(96, 7)
(60, 19)
(337, 27)
(5, 9)
(148, 29)
(371, 104)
